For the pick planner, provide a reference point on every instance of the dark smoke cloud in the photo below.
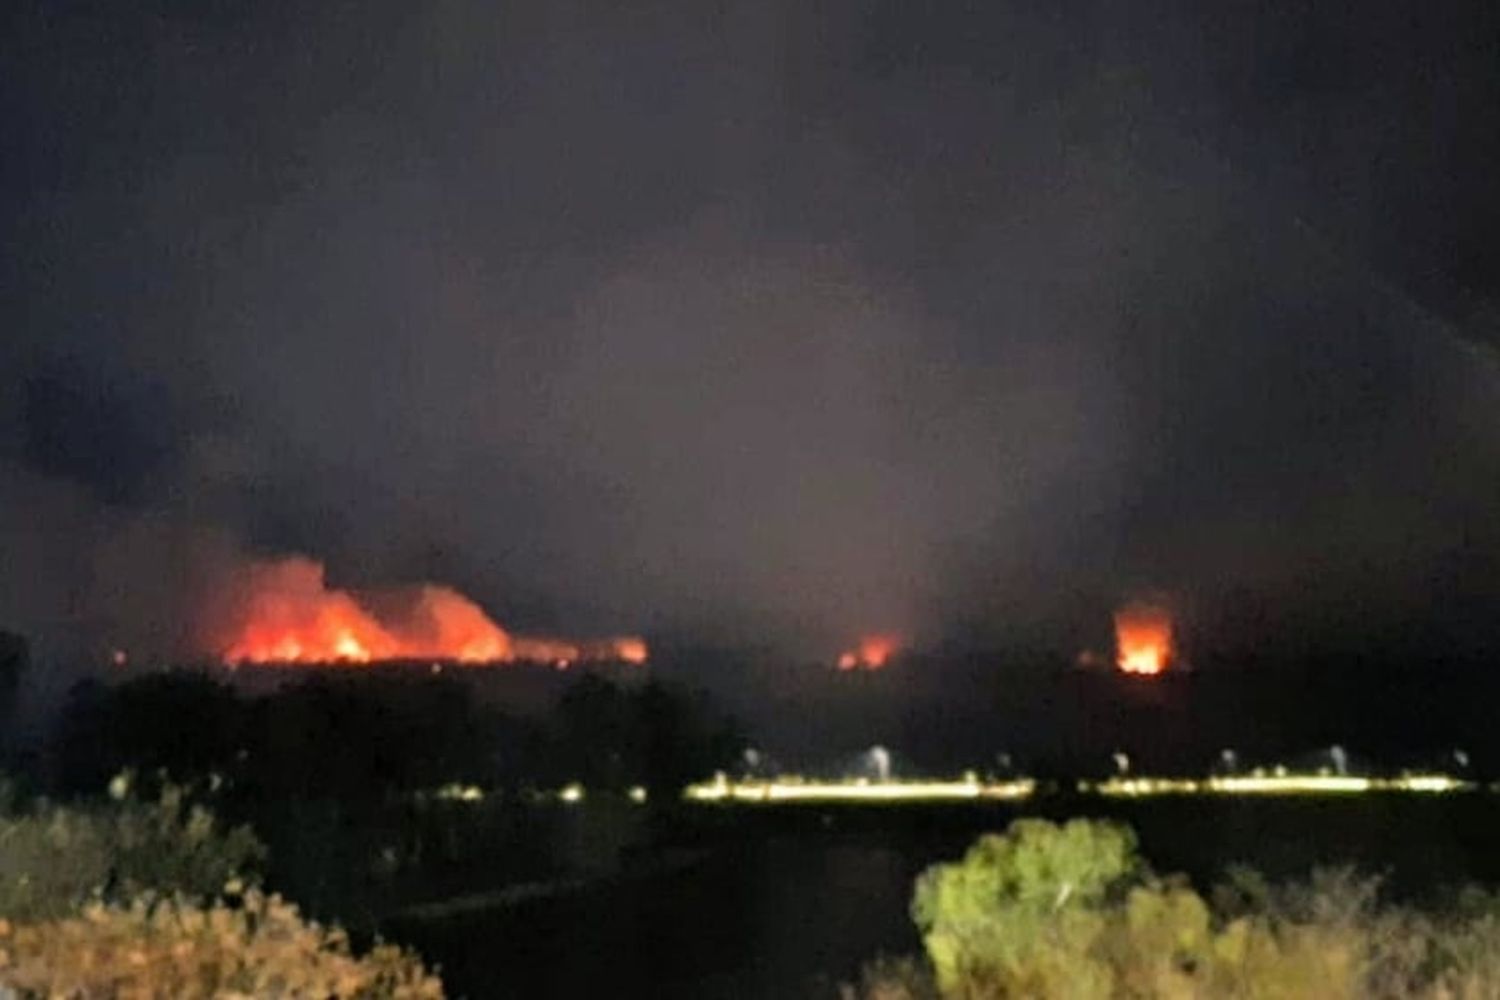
(752, 322)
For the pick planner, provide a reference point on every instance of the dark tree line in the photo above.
(371, 735)
(658, 736)
(332, 769)
(15, 655)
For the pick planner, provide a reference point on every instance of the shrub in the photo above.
(54, 858)
(889, 978)
(1071, 911)
(249, 946)
(1020, 911)
(148, 899)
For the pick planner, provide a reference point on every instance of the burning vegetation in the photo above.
(1143, 638)
(283, 611)
(872, 653)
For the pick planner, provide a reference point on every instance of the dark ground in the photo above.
(787, 901)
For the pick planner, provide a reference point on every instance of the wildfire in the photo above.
(872, 653)
(563, 652)
(283, 611)
(1143, 638)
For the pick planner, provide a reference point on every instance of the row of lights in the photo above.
(794, 789)
(569, 794)
(721, 789)
(1275, 784)
(970, 787)
(882, 788)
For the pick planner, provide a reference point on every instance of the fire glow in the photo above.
(1143, 639)
(283, 611)
(872, 653)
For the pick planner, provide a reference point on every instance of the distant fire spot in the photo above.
(1143, 638)
(872, 653)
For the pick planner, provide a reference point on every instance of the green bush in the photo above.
(54, 858)
(1072, 911)
(149, 899)
(1022, 908)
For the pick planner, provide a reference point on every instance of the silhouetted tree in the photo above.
(681, 739)
(14, 658)
(657, 735)
(593, 736)
(361, 738)
(184, 724)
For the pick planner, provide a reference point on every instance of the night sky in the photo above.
(762, 323)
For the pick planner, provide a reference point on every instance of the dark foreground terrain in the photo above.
(787, 901)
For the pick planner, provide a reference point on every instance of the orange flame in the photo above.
(283, 611)
(872, 653)
(445, 624)
(1143, 638)
(287, 614)
(629, 649)
(565, 652)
